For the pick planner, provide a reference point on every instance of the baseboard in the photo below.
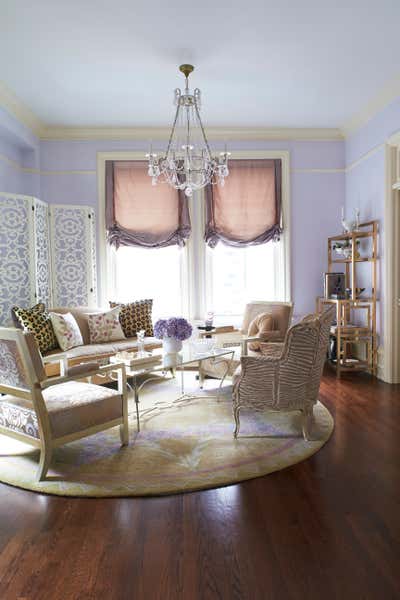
(381, 368)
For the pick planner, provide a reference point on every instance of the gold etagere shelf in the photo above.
(352, 336)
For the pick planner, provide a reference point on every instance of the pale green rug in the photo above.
(181, 447)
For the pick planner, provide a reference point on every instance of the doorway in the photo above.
(391, 363)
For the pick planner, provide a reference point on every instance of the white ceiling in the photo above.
(281, 63)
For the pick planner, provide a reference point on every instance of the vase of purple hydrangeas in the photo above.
(172, 332)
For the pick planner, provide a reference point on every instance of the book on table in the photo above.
(136, 359)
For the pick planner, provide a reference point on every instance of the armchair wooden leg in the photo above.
(236, 412)
(124, 432)
(46, 452)
(201, 376)
(308, 418)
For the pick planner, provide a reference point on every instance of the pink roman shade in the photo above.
(247, 209)
(139, 214)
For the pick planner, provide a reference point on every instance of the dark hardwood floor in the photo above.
(327, 528)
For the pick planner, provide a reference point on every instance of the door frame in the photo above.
(391, 298)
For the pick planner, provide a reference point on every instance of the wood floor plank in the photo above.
(328, 527)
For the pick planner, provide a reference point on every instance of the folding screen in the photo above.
(47, 254)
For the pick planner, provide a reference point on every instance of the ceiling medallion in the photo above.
(188, 164)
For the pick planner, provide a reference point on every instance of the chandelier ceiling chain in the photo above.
(188, 163)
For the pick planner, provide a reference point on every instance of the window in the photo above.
(239, 275)
(141, 273)
(195, 279)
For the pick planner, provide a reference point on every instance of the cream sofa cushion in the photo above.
(107, 349)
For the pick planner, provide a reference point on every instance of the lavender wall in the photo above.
(19, 150)
(365, 179)
(317, 193)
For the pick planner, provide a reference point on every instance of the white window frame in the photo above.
(107, 253)
(282, 264)
(195, 280)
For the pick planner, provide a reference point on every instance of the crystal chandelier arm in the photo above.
(202, 130)
(173, 129)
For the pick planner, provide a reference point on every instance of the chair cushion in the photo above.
(135, 316)
(37, 321)
(260, 325)
(75, 406)
(72, 406)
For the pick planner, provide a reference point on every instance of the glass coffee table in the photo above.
(170, 363)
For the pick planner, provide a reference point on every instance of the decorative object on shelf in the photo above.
(334, 285)
(188, 164)
(348, 292)
(345, 248)
(349, 226)
(172, 332)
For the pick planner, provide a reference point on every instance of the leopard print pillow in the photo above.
(37, 320)
(135, 316)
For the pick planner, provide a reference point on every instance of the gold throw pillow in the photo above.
(37, 320)
(135, 316)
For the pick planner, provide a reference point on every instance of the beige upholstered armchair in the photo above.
(288, 376)
(263, 322)
(49, 412)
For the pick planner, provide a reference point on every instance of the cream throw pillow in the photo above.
(67, 330)
(105, 327)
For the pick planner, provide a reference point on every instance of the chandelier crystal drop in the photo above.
(188, 164)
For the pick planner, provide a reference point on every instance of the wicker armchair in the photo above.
(288, 378)
(48, 412)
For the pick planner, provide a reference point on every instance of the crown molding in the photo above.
(390, 92)
(213, 133)
(19, 110)
(27, 117)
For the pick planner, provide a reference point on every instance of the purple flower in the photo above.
(175, 327)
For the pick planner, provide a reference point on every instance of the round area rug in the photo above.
(182, 446)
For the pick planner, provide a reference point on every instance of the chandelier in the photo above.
(188, 164)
